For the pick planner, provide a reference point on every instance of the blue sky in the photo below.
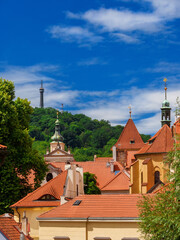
(96, 57)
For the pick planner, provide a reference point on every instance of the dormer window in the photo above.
(47, 197)
(132, 141)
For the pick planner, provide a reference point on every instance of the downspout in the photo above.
(87, 228)
(18, 213)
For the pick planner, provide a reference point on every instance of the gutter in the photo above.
(18, 213)
(91, 219)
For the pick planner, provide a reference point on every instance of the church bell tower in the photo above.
(166, 109)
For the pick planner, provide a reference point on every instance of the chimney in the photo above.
(95, 158)
(22, 237)
(47, 150)
(114, 153)
(25, 227)
(112, 166)
(69, 150)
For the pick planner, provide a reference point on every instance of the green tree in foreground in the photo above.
(90, 184)
(21, 159)
(160, 213)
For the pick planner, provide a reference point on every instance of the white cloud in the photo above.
(108, 105)
(168, 9)
(123, 20)
(91, 61)
(74, 34)
(166, 67)
(122, 23)
(125, 38)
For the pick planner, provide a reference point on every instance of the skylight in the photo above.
(77, 202)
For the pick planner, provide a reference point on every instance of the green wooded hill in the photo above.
(85, 137)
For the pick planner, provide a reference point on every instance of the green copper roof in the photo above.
(57, 136)
(166, 104)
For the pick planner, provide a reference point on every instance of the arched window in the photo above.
(156, 177)
(49, 177)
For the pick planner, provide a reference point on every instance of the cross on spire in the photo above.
(62, 108)
(130, 110)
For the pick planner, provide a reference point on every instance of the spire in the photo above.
(62, 108)
(41, 90)
(165, 88)
(130, 111)
(166, 109)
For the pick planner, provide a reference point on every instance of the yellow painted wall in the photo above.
(31, 214)
(135, 178)
(74, 230)
(87, 231)
(148, 170)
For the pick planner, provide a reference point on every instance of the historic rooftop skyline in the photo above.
(96, 57)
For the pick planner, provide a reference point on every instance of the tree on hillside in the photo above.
(90, 186)
(160, 213)
(21, 159)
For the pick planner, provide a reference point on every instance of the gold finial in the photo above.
(130, 110)
(57, 114)
(165, 88)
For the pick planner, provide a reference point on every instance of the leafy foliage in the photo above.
(85, 137)
(90, 186)
(21, 158)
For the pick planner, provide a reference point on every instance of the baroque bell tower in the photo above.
(166, 109)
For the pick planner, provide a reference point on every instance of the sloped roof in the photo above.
(97, 206)
(129, 133)
(103, 159)
(54, 187)
(162, 141)
(100, 169)
(10, 228)
(119, 182)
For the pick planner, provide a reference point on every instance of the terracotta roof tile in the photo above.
(100, 169)
(162, 141)
(98, 206)
(54, 187)
(129, 134)
(119, 182)
(103, 159)
(2, 146)
(10, 228)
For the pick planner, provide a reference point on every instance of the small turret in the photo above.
(57, 136)
(166, 109)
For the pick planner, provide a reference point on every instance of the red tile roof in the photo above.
(97, 206)
(100, 169)
(2, 146)
(118, 183)
(103, 159)
(54, 187)
(162, 141)
(10, 228)
(129, 133)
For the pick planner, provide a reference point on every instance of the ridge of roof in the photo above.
(129, 133)
(47, 188)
